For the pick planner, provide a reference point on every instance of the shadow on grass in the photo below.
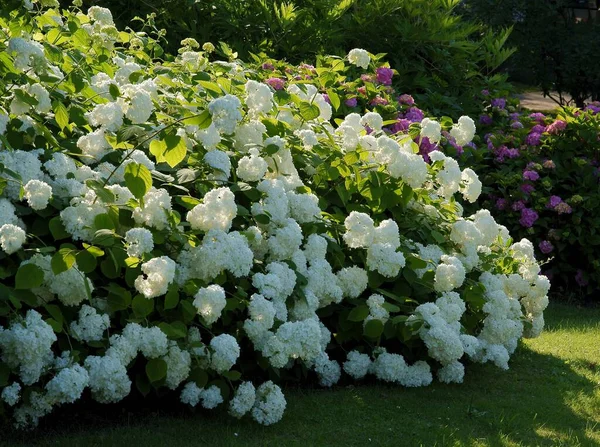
(541, 400)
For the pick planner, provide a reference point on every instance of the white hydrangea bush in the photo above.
(184, 225)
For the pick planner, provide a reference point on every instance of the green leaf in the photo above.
(63, 260)
(101, 191)
(156, 369)
(60, 114)
(373, 328)
(55, 313)
(262, 219)
(29, 276)
(171, 298)
(199, 376)
(142, 306)
(114, 91)
(232, 375)
(176, 150)
(138, 179)
(86, 262)
(359, 313)
(55, 325)
(334, 99)
(439, 237)
(202, 120)
(309, 111)
(4, 374)
(103, 222)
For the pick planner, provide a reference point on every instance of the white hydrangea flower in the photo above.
(219, 161)
(327, 370)
(153, 342)
(259, 97)
(372, 120)
(108, 379)
(431, 129)
(449, 275)
(471, 185)
(353, 281)
(90, 326)
(158, 274)
(12, 238)
(216, 213)
(37, 194)
(359, 57)
(225, 352)
(357, 365)
(384, 259)
(360, 230)
(249, 135)
(108, 116)
(226, 113)
(68, 385)
(210, 302)
(463, 131)
(243, 400)
(157, 203)
(179, 364)
(139, 241)
(252, 168)
(94, 146)
(11, 394)
(269, 404)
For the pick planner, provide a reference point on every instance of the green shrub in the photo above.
(555, 51)
(441, 58)
(180, 226)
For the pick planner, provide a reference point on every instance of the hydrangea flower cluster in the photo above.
(184, 223)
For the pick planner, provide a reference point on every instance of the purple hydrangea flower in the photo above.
(268, 66)
(527, 188)
(553, 201)
(379, 101)
(326, 98)
(426, 147)
(485, 92)
(414, 115)
(518, 205)
(533, 139)
(537, 116)
(384, 75)
(401, 125)
(486, 120)
(546, 247)
(276, 83)
(406, 99)
(351, 102)
(531, 175)
(516, 125)
(501, 204)
(499, 103)
(528, 217)
(366, 78)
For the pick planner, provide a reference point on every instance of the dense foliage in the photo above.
(440, 57)
(185, 226)
(555, 50)
(541, 175)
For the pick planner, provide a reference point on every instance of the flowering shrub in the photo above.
(184, 226)
(541, 174)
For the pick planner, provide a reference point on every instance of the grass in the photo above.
(550, 396)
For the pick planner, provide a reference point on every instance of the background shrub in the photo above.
(441, 57)
(541, 180)
(554, 50)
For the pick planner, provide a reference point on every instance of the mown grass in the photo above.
(550, 396)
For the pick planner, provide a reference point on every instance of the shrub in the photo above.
(540, 174)
(183, 226)
(441, 57)
(555, 51)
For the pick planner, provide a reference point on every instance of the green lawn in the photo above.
(550, 396)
